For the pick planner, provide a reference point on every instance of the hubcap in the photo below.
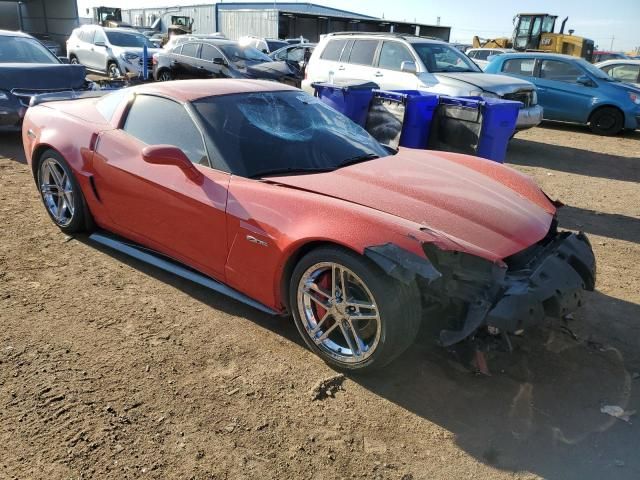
(339, 312)
(606, 122)
(57, 191)
(164, 76)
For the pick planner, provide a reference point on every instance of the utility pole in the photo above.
(612, 39)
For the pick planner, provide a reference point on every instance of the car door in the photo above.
(209, 54)
(559, 92)
(85, 43)
(158, 205)
(388, 73)
(97, 55)
(360, 61)
(186, 64)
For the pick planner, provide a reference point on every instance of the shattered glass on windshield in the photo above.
(264, 133)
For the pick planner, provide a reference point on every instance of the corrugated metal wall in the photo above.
(204, 16)
(55, 17)
(237, 23)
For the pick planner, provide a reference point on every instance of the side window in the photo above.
(190, 50)
(559, 71)
(177, 50)
(624, 73)
(482, 54)
(393, 54)
(209, 52)
(472, 54)
(333, 50)
(155, 120)
(87, 36)
(99, 37)
(519, 66)
(363, 51)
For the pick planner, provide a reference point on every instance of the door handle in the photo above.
(341, 67)
(540, 89)
(200, 67)
(378, 74)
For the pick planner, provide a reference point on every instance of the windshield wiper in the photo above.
(279, 171)
(358, 159)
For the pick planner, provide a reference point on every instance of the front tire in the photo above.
(73, 60)
(606, 121)
(349, 312)
(113, 70)
(61, 194)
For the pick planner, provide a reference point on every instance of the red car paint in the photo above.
(458, 202)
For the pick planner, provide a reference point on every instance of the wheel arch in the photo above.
(295, 256)
(36, 156)
(606, 105)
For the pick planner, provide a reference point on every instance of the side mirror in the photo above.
(219, 61)
(584, 80)
(170, 155)
(64, 59)
(408, 67)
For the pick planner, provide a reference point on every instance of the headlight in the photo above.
(534, 97)
(3, 95)
(129, 57)
(489, 95)
(635, 98)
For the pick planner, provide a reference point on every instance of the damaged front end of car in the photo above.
(547, 279)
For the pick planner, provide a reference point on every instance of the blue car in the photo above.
(570, 89)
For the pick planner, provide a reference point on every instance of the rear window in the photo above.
(190, 50)
(333, 50)
(363, 51)
(108, 104)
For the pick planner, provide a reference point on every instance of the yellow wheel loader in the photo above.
(535, 32)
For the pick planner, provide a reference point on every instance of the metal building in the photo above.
(278, 20)
(56, 18)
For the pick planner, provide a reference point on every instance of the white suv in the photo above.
(405, 62)
(481, 55)
(113, 51)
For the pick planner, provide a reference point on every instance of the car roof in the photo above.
(189, 90)
(618, 61)
(398, 36)
(14, 33)
(542, 55)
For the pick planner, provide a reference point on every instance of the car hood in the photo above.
(36, 76)
(471, 204)
(498, 84)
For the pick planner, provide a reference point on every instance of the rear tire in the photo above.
(337, 334)
(61, 194)
(73, 60)
(607, 121)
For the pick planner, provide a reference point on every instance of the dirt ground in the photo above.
(112, 369)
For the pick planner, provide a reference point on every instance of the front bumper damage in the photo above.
(547, 279)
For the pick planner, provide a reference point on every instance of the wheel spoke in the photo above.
(361, 345)
(60, 207)
(326, 333)
(319, 296)
(56, 176)
(363, 316)
(356, 345)
(47, 188)
(317, 328)
(361, 304)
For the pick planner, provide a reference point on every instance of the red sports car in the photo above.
(264, 193)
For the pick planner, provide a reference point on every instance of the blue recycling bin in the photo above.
(474, 126)
(419, 109)
(349, 97)
(499, 118)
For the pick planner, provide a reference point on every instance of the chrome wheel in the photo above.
(165, 76)
(338, 312)
(73, 61)
(57, 191)
(114, 71)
